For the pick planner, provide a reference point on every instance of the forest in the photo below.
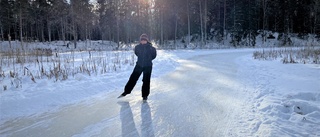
(123, 21)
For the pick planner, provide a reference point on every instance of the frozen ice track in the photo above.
(200, 98)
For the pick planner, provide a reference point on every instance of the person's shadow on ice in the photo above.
(146, 126)
(128, 126)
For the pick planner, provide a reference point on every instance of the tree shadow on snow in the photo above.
(128, 126)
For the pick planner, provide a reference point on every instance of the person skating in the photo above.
(145, 53)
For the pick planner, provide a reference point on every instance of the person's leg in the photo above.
(132, 80)
(146, 81)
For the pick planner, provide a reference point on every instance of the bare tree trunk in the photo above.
(249, 40)
(63, 31)
(90, 37)
(264, 21)
(2, 34)
(128, 30)
(205, 21)
(150, 21)
(118, 24)
(315, 24)
(49, 29)
(26, 32)
(20, 23)
(175, 32)
(109, 32)
(103, 34)
(9, 38)
(73, 27)
(86, 34)
(201, 25)
(316, 8)
(234, 23)
(127, 26)
(15, 29)
(188, 22)
(42, 32)
(224, 22)
(161, 29)
(37, 30)
(118, 32)
(32, 35)
(75, 35)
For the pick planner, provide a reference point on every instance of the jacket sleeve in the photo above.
(136, 50)
(154, 53)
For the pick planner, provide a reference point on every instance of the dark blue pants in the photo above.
(134, 78)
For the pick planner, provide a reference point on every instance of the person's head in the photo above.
(144, 39)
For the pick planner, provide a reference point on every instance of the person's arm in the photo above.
(136, 50)
(154, 53)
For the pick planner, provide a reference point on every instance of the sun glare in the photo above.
(145, 2)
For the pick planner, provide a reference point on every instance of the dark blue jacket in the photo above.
(146, 53)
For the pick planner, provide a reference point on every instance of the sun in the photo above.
(145, 2)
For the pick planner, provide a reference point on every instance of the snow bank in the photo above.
(60, 46)
(284, 98)
(48, 94)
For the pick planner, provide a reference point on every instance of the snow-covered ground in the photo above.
(193, 93)
(47, 94)
(285, 99)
